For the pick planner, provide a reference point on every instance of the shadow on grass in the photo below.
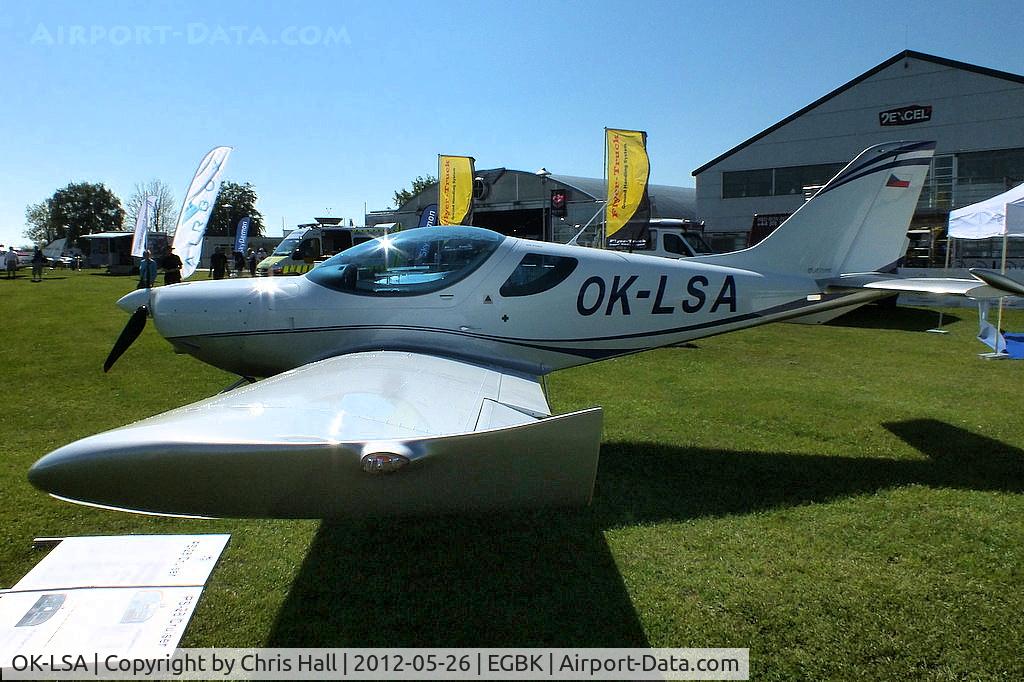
(530, 579)
(548, 578)
(649, 483)
(893, 317)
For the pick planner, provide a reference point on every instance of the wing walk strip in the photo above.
(795, 308)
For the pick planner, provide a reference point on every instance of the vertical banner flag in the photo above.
(195, 212)
(628, 172)
(429, 216)
(143, 224)
(455, 189)
(242, 234)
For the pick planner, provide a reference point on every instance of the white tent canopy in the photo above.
(999, 216)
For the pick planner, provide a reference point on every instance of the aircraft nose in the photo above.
(130, 302)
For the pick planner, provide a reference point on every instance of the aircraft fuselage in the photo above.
(611, 304)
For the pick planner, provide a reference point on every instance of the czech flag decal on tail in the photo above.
(896, 182)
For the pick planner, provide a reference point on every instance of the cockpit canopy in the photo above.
(412, 262)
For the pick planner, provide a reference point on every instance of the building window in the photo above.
(990, 166)
(981, 175)
(752, 183)
(793, 179)
(779, 182)
(937, 191)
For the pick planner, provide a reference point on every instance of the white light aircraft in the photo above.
(405, 373)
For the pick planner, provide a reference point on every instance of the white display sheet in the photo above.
(130, 596)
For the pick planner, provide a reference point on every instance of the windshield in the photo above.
(416, 261)
(697, 243)
(286, 247)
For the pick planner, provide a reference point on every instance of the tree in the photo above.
(83, 208)
(166, 209)
(37, 221)
(234, 202)
(402, 196)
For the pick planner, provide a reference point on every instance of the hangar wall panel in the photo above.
(971, 110)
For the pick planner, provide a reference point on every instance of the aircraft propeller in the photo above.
(131, 331)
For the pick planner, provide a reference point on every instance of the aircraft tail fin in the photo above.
(856, 223)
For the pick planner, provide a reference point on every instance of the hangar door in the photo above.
(525, 222)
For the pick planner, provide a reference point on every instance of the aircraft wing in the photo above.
(366, 434)
(988, 284)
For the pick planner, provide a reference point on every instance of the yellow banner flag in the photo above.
(628, 171)
(455, 189)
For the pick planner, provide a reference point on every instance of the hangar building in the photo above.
(538, 205)
(975, 114)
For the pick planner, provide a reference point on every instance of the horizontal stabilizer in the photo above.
(973, 288)
(999, 281)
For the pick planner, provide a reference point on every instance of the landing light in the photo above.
(383, 462)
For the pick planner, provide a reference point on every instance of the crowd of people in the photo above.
(220, 266)
(11, 263)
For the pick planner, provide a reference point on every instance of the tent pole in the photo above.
(938, 328)
(1002, 269)
(949, 246)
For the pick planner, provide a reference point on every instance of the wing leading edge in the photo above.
(379, 433)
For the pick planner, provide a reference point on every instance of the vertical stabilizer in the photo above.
(857, 222)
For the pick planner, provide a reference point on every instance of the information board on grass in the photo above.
(125, 596)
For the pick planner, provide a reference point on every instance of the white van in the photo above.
(669, 238)
(305, 246)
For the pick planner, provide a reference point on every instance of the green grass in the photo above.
(846, 500)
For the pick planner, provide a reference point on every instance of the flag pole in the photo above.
(472, 186)
(607, 199)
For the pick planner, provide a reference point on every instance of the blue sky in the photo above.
(330, 104)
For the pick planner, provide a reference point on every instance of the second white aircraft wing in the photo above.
(362, 434)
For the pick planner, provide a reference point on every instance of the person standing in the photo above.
(252, 263)
(239, 263)
(38, 261)
(147, 271)
(11, 262)
(172, 268)
(218, 263)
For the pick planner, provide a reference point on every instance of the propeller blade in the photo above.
(131, 331)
